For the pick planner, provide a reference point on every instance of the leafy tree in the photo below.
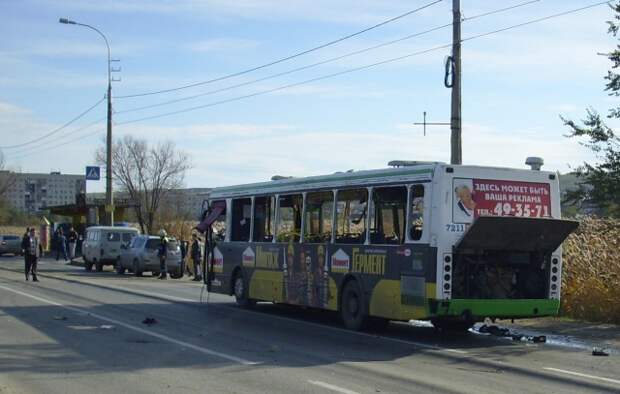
(600, 182)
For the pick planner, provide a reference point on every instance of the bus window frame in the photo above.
(371, 211)
(251, 217)
(425, 214)
(303, 223)
(366, 219)
(251, 239)
(303, 217)
(272, 216)
(277, 223)
(228, 220)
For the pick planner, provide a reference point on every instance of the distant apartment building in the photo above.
(33, 193)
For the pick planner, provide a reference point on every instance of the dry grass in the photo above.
(591, 280)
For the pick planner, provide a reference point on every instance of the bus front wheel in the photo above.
(241, 292)
(352, 307)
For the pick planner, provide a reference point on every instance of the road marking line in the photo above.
(143, 292)
(337, 329)
(583, 375)
(332, 387)
(134, 328)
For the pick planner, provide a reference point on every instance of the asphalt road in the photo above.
(79, 332)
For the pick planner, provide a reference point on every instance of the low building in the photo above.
(33, 193)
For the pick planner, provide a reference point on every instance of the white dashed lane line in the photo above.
(332, 387)
(119, 323)
(583, 375)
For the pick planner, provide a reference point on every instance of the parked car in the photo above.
(141, 256)
(10, 244)
(102, 245)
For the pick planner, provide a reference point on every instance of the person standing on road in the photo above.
(32, 251)
(24, 248)
(73, 237)
(183, 247)
(55, 243)
(195, 254)
(62, 240)
(162, 252)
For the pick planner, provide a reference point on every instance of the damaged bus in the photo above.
(453, 244)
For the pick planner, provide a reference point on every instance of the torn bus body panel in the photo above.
(507, 257)
(502, 233)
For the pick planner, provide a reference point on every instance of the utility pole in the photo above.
(109, 198)
(455, 119)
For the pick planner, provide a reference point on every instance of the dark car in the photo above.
(10, 244)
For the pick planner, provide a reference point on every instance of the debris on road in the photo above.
(106, 327)
(149, 321)
(59, 317)
(599, 352)
(505, 333)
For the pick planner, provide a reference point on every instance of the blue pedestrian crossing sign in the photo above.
(92, 173)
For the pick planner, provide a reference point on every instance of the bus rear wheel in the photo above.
(352, 310)
(240, 292)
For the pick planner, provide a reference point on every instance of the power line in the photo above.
(56, 146)
(236, 74)
(55, 130)
(286, 86)
(536, 20)
(260, 93)
(19, 153)
(330, 60)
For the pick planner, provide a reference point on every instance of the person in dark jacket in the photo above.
(162, 253)
(183, 247)
(60, 244)
(196, 254)
(24, 247)
(32, 250)
(72, 239)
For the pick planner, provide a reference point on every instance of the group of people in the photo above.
(32, 249)
(65, 243)
(195, 254)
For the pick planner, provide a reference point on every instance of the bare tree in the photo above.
(146, 174)
(7, 178)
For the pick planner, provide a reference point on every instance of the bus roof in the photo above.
(422, 172)
(412, 172)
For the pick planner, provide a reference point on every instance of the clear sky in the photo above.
(516, 83)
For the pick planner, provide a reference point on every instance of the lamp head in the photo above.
(66, 21)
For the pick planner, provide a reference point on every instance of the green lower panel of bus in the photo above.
(496, 308)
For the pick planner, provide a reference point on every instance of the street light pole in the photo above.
(109, 198)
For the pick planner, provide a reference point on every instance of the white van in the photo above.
(102, 245)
